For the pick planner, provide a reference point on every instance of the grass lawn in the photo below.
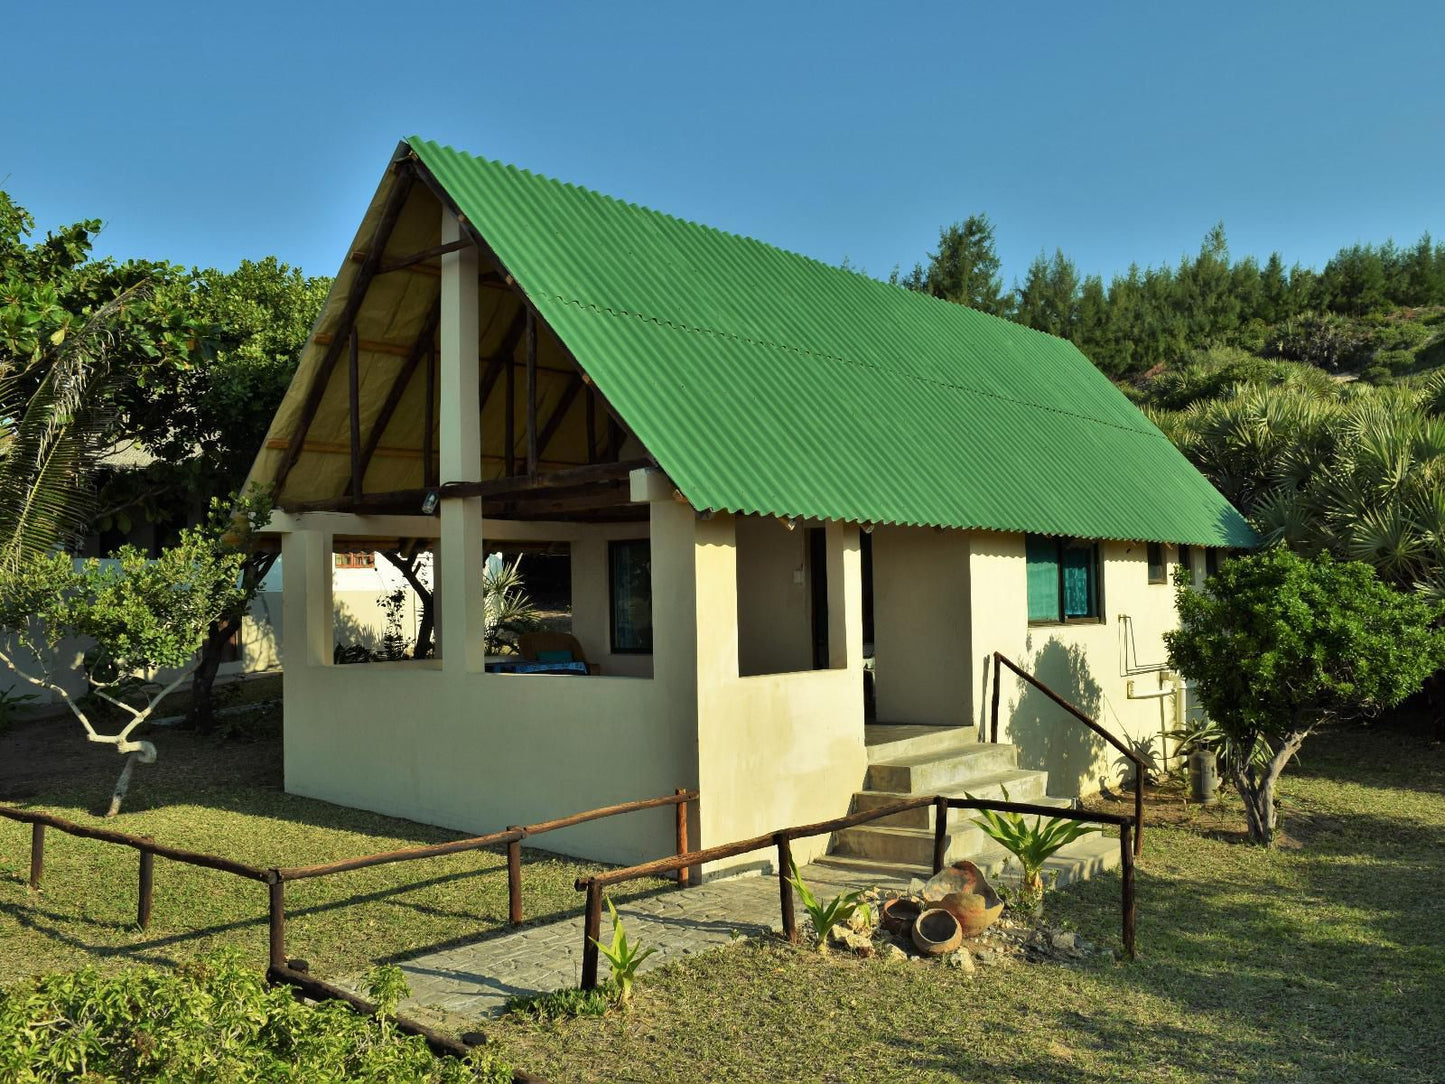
(1323, 960)
(225, 797)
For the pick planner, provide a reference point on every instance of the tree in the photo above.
(965, 269)
(142, 614)
(1279, 644)
(1049, 298)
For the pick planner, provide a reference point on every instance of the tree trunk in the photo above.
(424, 629)
(201, 715)
(1256, 786)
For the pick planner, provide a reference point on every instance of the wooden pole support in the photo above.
(514, 879)
(276, 915)
(993, 710)
(940, 832)
(147, 889)
(785, 886)
(684, 875)
(592, 931)
(1126, 858)
(37, 853)
(1138, 811)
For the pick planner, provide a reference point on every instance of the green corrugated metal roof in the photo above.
(766, 382)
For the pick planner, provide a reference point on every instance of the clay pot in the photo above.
(899, 914)
(962, 890)
(936, 932)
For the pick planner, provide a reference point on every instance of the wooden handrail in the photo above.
(999, 659)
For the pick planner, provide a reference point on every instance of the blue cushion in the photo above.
(555, 656)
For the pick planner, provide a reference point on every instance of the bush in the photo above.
(214, 1021)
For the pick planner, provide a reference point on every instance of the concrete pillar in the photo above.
(459, 580)
(845, 596)
(306, 572)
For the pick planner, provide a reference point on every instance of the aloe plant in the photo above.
(824, 916)
(624, 956)
(1032, 844)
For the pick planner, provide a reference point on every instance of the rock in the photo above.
(1063, 941)
(915, 887)
(987, 957)
(853, 942)
(893, 954)
(960, 960)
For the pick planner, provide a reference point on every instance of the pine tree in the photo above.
(965, 269)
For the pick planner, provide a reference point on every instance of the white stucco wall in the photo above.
(774, 604)
(1083, 662)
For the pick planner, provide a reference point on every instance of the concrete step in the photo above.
(1080, 860)
(891, 741)
(929, 773)
(1022, 784)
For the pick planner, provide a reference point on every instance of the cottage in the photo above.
(800, 506)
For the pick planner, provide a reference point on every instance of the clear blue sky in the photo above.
(207, 133)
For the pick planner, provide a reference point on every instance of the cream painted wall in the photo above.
(779, 749)
(775, 625)
(1085, 663)
(921, 625)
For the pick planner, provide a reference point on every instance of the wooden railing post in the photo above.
(785, 886)
(1138, 810)
(993, 710)
(147, 885)
(940, 832)
(592, 931)
(683, 874)
(276, 915)
(37, 853)
(1126, 858)
(514, 879)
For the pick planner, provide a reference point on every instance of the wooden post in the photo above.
(509, 438)
(531, 393)
(1126, 858)
(785, 886)
(147, 889)
(997, 669)
(276, 914)
(591, 426)
(592, 931)
(37, 853)
(514, 879)
(1138, 811)
(683, 874)
(353, 373)
(940, 832)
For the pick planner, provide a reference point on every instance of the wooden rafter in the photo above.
(531, 392)
(353, 389)
(559, 412)
(501, 360)
(395, 201)
(419, 349)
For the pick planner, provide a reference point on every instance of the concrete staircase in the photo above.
(904, 761)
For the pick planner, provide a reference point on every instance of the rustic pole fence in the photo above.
(1000, 661)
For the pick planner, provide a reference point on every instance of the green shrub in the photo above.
(213, 1021)
(565, 1004)
(824, 916)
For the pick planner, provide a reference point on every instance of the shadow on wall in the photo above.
(1048, 737)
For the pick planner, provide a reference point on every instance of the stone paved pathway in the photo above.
(477, 979)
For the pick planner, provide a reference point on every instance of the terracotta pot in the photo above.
(963, 890)
(937, 931)
(899, 914)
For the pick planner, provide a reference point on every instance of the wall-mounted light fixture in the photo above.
(429, 502)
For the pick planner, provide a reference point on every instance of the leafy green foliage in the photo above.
(624, 956)
(822, 917)
(507, 608)
(566, 1004)
(214, 1021)
(1032, 844)
(965, 269)
(1281, 643)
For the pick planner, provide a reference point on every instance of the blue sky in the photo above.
(1120, 132)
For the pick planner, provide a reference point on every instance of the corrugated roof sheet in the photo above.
(766, 382)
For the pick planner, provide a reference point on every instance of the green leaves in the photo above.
(824, 916)
(1032, 844)
(624, 956)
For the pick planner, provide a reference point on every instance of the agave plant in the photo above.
(508, 610)
(624, 956)
(824, 916)
(1032, 844)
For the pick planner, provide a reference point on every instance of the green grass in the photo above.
(225, 797)
(1323, 961)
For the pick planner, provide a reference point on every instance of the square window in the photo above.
(1063, 580)
(629, 566)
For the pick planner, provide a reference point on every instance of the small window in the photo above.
(1211, 562)
(1063, 580)
(1157, 572)
(630, 578)
(1186, 560)
(356, 560)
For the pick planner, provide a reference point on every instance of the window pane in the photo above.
(631, 575)
(1080, 596)
(1156, 563)
(1043, 578)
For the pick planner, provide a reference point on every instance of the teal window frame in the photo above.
(1050, 593)
(629, 593)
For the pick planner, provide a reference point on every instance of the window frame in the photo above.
(355, 560)
(613, 544)
(1186, 560)
(1162, 576)
(1097, 567)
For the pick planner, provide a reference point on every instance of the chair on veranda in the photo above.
(554, 647)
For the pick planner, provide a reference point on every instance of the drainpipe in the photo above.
(1177, 688)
